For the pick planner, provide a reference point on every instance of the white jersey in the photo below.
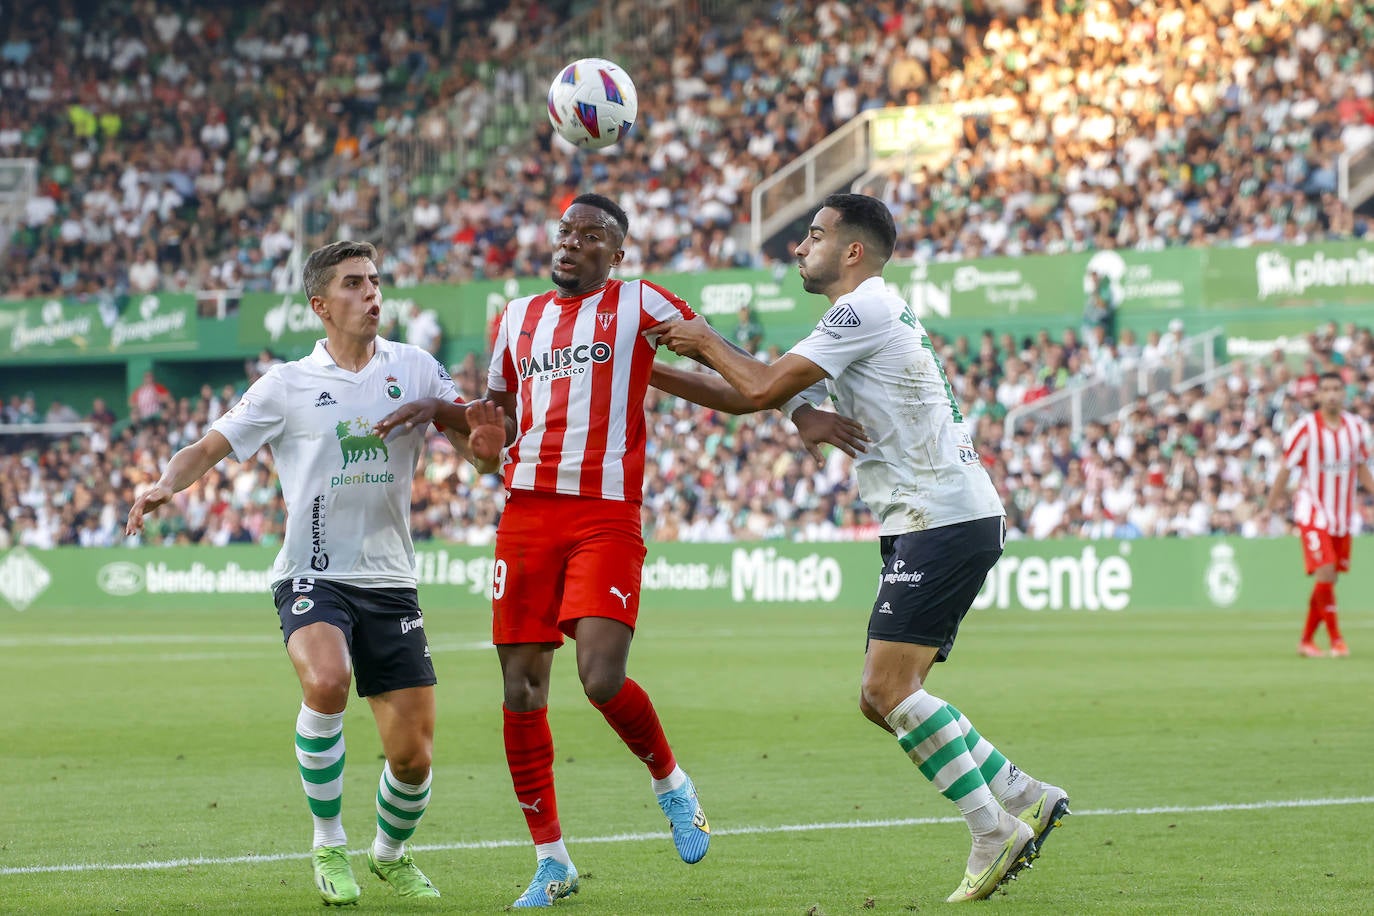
(347, 491)
(921, 469)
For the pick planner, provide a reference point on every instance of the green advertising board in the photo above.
(50, 329)
(1289, 277)
(1062, 576)
(286, 324)
(1050, 286)
(1262, 292)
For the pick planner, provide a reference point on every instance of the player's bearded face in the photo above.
(1330, 395)
(585, 249)
(818, 255)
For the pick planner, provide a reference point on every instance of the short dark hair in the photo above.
(1330, 374)
(602, 202)
(319, 267)
(870, 217)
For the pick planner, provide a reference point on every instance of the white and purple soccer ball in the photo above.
(593, 103)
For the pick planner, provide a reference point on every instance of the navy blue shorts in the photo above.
(929, 581)
(384, 627)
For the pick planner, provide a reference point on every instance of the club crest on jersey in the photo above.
(605, 319)
(564, 362)
(394, 389)
(841, 316)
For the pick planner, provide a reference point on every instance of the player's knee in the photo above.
(412, 768)
(877, 698)
(524, 695)
(602, 684)
(325, 690)
(871, 714)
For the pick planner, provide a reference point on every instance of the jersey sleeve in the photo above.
(258, 418)
(1295, 440)
(441, 383)
(501, 373)
(657, 305)
(441, 386)
(814, 395)
(852, 329)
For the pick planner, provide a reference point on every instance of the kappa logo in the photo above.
(841, 316)
(325, 400)
(624, 598)
(605, 319)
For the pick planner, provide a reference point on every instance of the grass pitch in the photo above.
(146, 766)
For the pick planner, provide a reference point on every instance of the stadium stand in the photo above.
(1198, 464)
(172, 142)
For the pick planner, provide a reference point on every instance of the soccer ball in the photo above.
(593, 103)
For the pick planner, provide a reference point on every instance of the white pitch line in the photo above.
(729, 831)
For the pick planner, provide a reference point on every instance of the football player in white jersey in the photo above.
(942, 522)
(344, 581)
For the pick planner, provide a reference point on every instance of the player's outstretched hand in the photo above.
(155, 497)
(684, 336)
(487, 422)
(407, 417)
(822, 426)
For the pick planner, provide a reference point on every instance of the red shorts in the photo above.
(1320, 548)
(561, 558)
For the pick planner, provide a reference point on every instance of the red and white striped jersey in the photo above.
(1327, 459)
(580, 368)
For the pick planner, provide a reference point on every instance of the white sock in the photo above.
(673, 780)
(927, 730)
(320, 758)
(554, 850)
(400, 806)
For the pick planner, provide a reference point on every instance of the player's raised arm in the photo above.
(185, 468)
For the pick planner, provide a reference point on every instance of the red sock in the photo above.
(632, 715)
(529, 754)
(1333, 629)
(1316, 609)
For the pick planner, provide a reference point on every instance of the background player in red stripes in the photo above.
(1329, 450)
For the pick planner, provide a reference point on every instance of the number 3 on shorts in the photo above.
(498, 579)
(1314, 543)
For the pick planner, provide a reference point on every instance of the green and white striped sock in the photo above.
(1003, 777)
(400, 806)
(928, 730)
(320, 754)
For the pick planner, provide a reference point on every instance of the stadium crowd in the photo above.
(172, 136)
(1198, 463)
(172, 139)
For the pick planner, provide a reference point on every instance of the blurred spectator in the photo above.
(149, 400)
